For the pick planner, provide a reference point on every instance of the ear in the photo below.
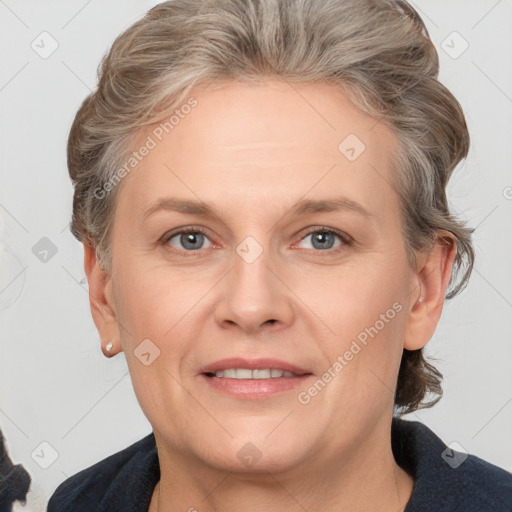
(427, 298)
(102, 302)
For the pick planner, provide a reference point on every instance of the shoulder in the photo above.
(122, 481)
(447, 479)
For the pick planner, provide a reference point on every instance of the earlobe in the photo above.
(101, 302)
(427, 297)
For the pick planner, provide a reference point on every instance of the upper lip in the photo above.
(253, 364)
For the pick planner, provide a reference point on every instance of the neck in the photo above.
(365, 478)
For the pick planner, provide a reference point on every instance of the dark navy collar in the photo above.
(447, 480)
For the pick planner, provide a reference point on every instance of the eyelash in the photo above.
(345, 239)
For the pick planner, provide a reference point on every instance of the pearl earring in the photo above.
(109, 346)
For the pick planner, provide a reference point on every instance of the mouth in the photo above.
(246, 373)
(253, 379)
(261, 368)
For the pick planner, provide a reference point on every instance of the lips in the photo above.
(253, 364)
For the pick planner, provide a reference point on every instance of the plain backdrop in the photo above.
(64, 405)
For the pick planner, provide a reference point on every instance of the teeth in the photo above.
(261, 374)
(243, 373)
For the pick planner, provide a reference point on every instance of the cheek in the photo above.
(365, 312)
(355, 296)
(154, 301)
(153, 313)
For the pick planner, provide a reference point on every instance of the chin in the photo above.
(247, 454)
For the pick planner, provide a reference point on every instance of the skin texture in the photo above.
(252, 152)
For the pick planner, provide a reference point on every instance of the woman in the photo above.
(260, 191)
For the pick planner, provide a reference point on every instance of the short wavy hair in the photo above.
(378, 51)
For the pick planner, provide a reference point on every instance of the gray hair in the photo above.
(378, 51)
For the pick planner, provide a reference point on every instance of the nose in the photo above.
(254, 296)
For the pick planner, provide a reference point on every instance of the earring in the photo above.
(420, 300)
(109, 346)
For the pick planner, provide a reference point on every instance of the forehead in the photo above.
(253, 145)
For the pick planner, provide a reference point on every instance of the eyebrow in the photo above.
(302, 207)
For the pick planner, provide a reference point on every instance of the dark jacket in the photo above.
(14, 480)
(445, 480)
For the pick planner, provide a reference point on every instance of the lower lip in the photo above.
(254, 389)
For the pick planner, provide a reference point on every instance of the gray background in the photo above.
(56, 387)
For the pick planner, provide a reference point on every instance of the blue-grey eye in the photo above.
(189, 240)
(322, 240)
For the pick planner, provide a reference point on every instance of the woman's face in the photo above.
(264, 177)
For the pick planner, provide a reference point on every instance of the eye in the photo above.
(325, 238)
(187, 239)
(321, 238)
